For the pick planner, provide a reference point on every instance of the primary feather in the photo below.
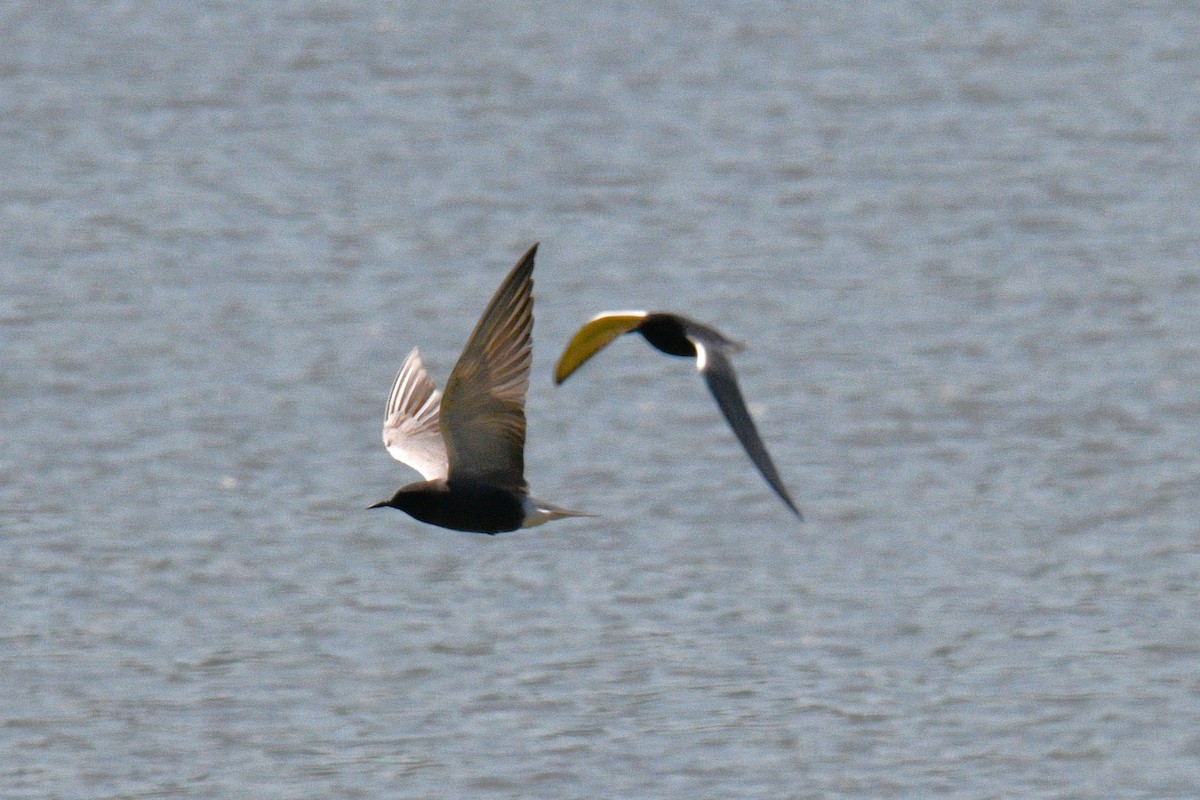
(410, 427)
(483, 409)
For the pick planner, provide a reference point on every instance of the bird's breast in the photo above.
(467, 506)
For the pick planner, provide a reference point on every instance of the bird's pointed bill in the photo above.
(593, 337)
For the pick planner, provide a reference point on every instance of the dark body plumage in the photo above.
(469, 444)
(460, 505)
(668, 333)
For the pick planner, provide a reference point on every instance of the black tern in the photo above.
(680, 336)
(469, 444)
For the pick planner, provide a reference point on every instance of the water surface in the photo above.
(960, 242)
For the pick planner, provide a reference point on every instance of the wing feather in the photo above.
(593, 337)
(712, 360)
(410, 428)
(483, 410)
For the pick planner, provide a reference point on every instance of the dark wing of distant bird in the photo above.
(712, 359)
(410, 427)
(483, 409)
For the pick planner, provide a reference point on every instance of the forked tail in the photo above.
(539, 512)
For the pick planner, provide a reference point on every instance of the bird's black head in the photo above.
(413, 498)
(462, 506)
(666, 332)
(398, 500)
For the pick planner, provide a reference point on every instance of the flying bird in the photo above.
(469, 443)
(680, 336)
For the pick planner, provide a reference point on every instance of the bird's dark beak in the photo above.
(380, 504)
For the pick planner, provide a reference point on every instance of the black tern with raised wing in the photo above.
(469, 443)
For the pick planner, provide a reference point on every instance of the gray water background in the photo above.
(959, 239)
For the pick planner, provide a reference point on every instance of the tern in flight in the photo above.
(469, 443)
(680, 336)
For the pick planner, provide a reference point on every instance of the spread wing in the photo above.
(712, 359)
(410, 427)
(483, 410)
(593, 337)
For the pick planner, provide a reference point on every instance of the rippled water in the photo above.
(960, 240)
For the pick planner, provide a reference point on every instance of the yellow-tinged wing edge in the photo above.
(595, 334)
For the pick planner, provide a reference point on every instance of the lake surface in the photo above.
(960, 240)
